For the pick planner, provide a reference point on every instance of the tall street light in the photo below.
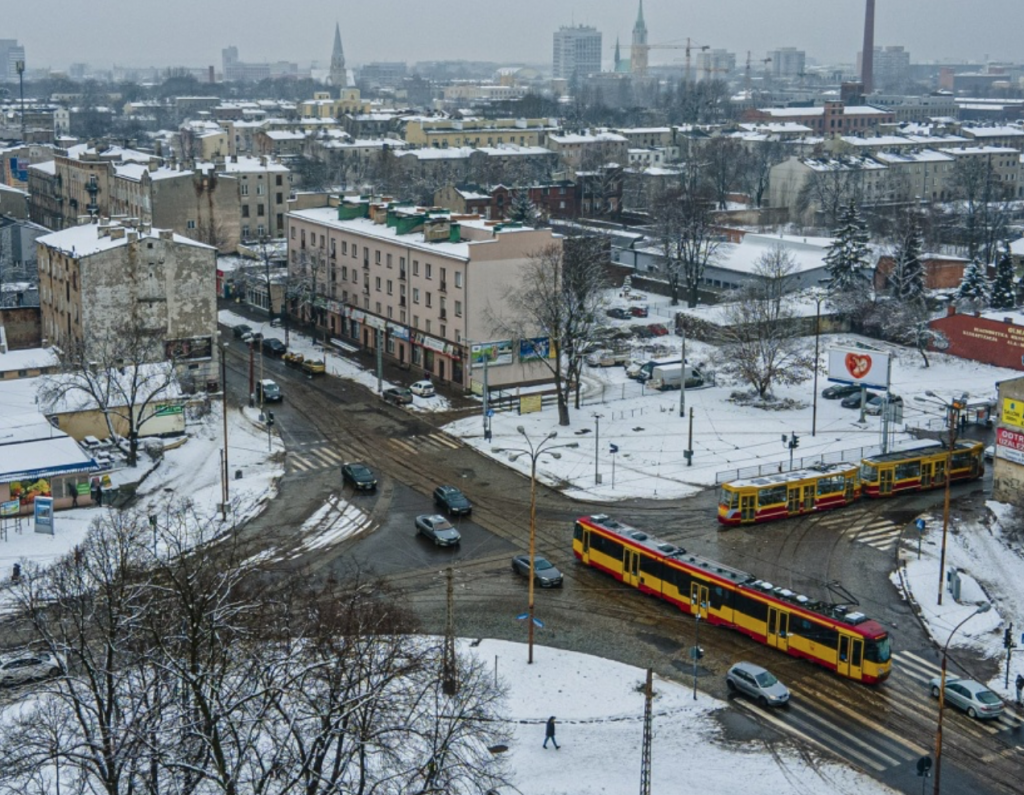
(953, 409)
(224, 408)
(533, 450)
(20, 66)
(818, 299)
(982, 608)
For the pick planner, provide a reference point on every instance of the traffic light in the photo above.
(1008, 637)
(796, 441)
(270, 418)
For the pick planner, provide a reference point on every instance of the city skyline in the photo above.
(195, 35)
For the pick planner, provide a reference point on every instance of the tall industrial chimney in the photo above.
(867, 56)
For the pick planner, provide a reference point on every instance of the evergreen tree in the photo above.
(1004, 295)
(848, 258)
(907, 278)
(523, 210)
(974, 287)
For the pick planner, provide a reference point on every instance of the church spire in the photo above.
(640, 16)
(337, 76)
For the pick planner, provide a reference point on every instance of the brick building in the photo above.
(993, 338)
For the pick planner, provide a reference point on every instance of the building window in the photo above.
(389, 260)
(279, 198)
(458, 278)
(190, 224)
(245, 189)
(245, 210)
(415, 295)
(428, 326)
(260, 188)
(415, 267)
(293, 233)
(376, 257)
(277, 179)
(428, 270)
(401, 263)
(355, 251)
(344, 273)
(245, 233)
(390, 313)
(428, 300)
(378, 307)
(344, 247)
(390, 290)
(458, 309)
(377, 283)
(260, 209)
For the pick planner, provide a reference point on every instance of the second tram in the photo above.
(777, 496)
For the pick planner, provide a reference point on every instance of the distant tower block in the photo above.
(867, 56)
(638, 52)
(338, 77)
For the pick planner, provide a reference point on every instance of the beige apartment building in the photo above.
(92, 277)
(444, 133)
(428, 286)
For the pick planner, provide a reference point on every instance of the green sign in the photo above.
(169, 411)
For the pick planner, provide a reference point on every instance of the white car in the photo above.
(423, 389)
(19, 667)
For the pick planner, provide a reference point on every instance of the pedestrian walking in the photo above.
(1020, 690)
(549, 732)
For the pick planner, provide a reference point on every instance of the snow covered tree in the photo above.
(848, 259)
(974, 288)
(1004, 296)
(906, 281)
(523, 210)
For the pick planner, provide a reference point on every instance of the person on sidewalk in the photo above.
(549, 733)
(1020, 690)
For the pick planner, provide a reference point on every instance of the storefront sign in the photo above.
(1010, 445)
(434, 345)
(1013, 412)
(169, 411)
(398, 332)
(44, 515)
(375, 322)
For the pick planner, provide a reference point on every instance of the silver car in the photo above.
(972, 697)
(758, 683)
(27, 666)
(438, 529)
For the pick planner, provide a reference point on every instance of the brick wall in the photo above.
(983, 340)
(23, 327)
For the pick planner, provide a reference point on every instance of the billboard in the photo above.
(1010, 445)
(43, 511)
(859, 366)
(532, 349)
(496, 353)
(1013, 412)
(189, 349)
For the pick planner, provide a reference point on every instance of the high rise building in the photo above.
(787, 62)
(10, 53)
(890, 68)
(577, 52)
(714, 64)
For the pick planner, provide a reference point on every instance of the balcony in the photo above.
(444, 286)
(366, 288)
(401, 275)
(444, 314)
(401, 301)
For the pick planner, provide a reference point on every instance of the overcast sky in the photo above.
(57, 33)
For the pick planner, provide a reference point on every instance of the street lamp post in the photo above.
(20, 66)
(534, 451)
(817, 337)
(224, 408)
(953, 411)
(982, 608)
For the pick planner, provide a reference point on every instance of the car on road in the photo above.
(853, 401)
(423, 389)
(19, 667)
(272, 346)
(241, 330)
(397, 396)
(359, 475)
(437, 529)
(267, 392)
(313, 366)
(452, 501)
(837, 391)
(972, 697)
(758, 683)
(545, 574)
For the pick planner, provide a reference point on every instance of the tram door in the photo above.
(699, 599)
(809, 491)
(778, 629)
(940, 471)
(793, 499)
(851, 657)
(885, 480)
(747, 507)
(586, 546)
(630, 567)
(926, 475)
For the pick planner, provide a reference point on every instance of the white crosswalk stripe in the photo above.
(310, 458)
(436, 442)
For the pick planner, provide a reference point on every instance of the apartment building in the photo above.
(264, 187)
(427, 286)
(443, 133)
(92, 277)
(589, 149)
(832, 118)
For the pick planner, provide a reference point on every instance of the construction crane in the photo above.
(643, 48)
(764, 61)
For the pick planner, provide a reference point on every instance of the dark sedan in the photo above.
(837, 391)
(452, 501)
(241, 330)
(398, 396)
(853, 401)
(544, 572)
(359, 475)
(272, 346)
(438, 529)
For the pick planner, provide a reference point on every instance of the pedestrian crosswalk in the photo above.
(862, 527)
(851, 729)
(321, 455)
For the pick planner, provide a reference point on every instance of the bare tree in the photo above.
(982, 211)
(828, 190)
(560, 301)
(907, 321)
(722, 160)
(756, 166)
(760, 342)
(127, 374)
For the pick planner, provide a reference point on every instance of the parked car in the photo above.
(267, 392)
(608, 358)
(397, 396)
(972, 697)
(618, 313)
(253, 337)
(837, 391)
(293, 359)
(19, 667)
(658, 330)
(241, 330)
(452, 501)
(758, 683)
(359, 475)
(437, 529)
(875, 404)
(313, 366)
(544, 572)
(272, 346)
(639, 311)
(990, 452)
(853, 401)
(423, 389)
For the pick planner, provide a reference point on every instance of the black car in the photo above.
(544, 572)
(452, 501)
(359, 475)
(618, 313)
(396, 395)
(853, 401)
(837, 391)
(241, 330)
(272, 346)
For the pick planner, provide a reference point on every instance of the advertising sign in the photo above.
(1010, 445)
(528, 404)
(189, 349)
(859, 366)
(1013, 412)
(9, 508)
(44, 515)
(535, 348)
(496, 353)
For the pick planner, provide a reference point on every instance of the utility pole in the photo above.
(450, 674)
(224, 409)
(689, 445)
(682, 381)
(645, 754)
(377, 338)
(20, 66)
(597, 449)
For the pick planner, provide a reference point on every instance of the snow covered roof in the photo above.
(587, 138)
(980, 150)
(28, 359)
(432, 153)
(89, 239)
(513, 150)
(997, 131)
(775, 127)
(285, 135)
(244, 165)
(841, 163)
(808, 253)
(904, 156)
(47, 167)
(134, 171)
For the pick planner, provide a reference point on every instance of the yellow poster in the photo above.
(1013, 412)
(530, 403)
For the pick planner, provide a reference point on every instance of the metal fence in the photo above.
(806, 462)
(624, 391)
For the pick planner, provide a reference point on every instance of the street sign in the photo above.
(921, 524)
(924, 764)
(490, 412)
(538, 623)
(522, 617)
(613, 448)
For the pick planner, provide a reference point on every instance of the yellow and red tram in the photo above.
(834, 636)
(921, 468)
(776, 496)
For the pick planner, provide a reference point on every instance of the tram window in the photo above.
(818, 633)
(908, 470)
(831, 485)
(655, 568)
(869, 473)
(719, 597)
(681, 579)
(856, 654)
(728, 498)
(750, 607)
(961, 460)
(877, 651)
(775, 495)
(577, 532)
(606, 546)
